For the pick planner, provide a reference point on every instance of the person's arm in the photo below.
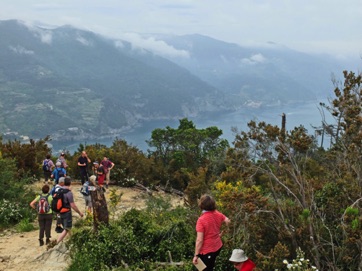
(227, 223)
(81, 165)
(198, 245)
(112, 165)
(75, 208)
(33, 203)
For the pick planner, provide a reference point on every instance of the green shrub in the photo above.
(105, 249)
(10, 212)
(15, 198)
(25, 226)
(139, 239)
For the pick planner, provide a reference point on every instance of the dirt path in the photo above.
(21, 251)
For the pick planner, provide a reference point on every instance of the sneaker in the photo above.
(41, 242)
(52, 244)
(106, 186)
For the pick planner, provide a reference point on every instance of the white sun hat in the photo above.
(238, 256)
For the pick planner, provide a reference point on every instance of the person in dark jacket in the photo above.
(83, 162)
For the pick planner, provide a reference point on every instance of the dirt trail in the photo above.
(21, 251)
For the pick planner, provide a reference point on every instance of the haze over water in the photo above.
(307, 115)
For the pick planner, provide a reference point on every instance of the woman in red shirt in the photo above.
(208, 239)
(240, 261)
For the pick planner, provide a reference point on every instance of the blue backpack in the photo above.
(46, 166)
(59, 173)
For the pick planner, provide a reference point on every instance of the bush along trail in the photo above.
(20, 251)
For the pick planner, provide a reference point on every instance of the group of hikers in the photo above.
(58, 202)
(101, 170)
(60, 199)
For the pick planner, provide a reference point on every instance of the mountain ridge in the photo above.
(67, 68)
(79, 85)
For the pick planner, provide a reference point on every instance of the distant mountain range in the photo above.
(74, 84)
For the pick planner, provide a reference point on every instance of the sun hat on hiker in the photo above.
(61, 180)
(58, 164)
(93, 178)
(238, 256)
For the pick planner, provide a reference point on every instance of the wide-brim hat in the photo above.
(238, 256)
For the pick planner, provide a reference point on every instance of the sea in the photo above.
(307, 114)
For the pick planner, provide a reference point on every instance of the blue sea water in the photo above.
(306, 114)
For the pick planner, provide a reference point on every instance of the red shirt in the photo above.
(106, 165)
(210, 223)
(248, 265)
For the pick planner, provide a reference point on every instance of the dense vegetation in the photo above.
(287, 197)
(79, 73)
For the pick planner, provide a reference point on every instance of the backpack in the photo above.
(60, 173)
(43, 206)
(46, 166)
(61, 162)
(84, 190)
(58, 204)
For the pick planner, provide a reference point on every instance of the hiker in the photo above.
(208, 239)
(83, 162)
(86, 193)
(66, 213)
(99, 172)
(240, 261)
(58, 172)
(62, 160)
(107, 166)
(48, 167)
(59, 227)
(42, 203)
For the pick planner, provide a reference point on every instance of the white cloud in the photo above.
(254, 59)
(158, 47)
(291, 23)
(84, 41)
(46, 37)
(21, 50)
(43, 34)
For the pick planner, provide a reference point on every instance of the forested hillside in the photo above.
(78, 86)
(287, 198)
(75, 84)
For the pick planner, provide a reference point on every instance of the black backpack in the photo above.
(58, 203)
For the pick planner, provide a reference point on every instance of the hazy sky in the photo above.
(328, 26)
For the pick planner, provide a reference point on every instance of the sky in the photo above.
(313, 26)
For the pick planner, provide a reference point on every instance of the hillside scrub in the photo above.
(285, 195)
(138, 240)
(14, 195)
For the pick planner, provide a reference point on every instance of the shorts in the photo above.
(66, 220)
(88, 201)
